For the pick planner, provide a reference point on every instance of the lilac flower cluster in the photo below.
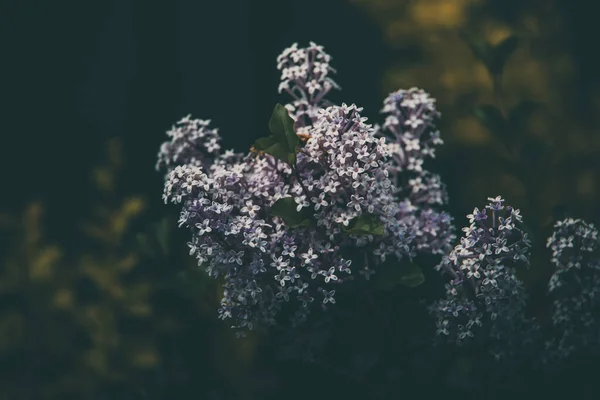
(192, 142)
(412, 136)
(341, 173)
(410, 124)
(484, 289)
(305, 76)
(575, 287)
(344, 173)
(262, 262)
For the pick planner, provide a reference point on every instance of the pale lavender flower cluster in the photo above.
(341, 173)
(575, 287)
(410, 124)
(262, 262)
(305, 76)
(412, 136)
(192, 142)
(345, 174)
(484, 291)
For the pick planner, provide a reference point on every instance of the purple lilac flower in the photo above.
(575, 287)
(342, 172)
(305, 76)
(192, 142)
(484, 292)
(410, 125)
(234, 236)
(263, 263)
(411, 135)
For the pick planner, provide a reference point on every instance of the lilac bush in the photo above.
(275, 224)
(329, 197)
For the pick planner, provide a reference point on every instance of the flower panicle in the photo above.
(484, 291)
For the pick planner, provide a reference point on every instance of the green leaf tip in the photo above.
(366, 224)
(286, 209)
(283, 142)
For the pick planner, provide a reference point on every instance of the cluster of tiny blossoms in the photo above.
(305, 76)
(410, 117)
(409, 130)
(342, 172)
(575, 287)
(484, 292)
(192, 142)
(411, 133)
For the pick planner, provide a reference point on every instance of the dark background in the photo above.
(81, 72)
(76, 75)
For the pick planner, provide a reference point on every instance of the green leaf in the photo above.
(480, 48)
(392, 274)
(412, 276)
(271, 145)
(491, 117)
(285, 209)
(494, 57)
(282, 125)
(283, 143)
(366, 224)
(500, 54)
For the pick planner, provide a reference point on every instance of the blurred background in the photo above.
(91, 301)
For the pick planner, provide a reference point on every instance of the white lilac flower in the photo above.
(575, 288)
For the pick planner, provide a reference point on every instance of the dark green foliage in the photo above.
(507, 126)
(283, 142)
(500, 54)
(493, 56)
(365, 224)
(285, 209)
